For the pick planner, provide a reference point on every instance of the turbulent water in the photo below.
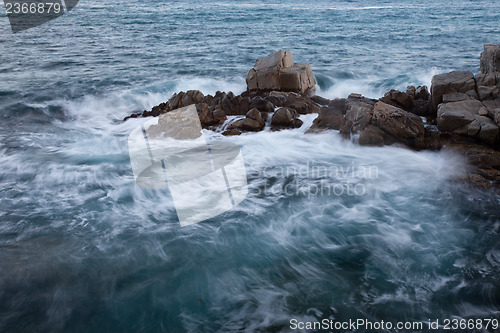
(329, 230)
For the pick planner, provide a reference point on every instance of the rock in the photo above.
(496, 116)
(455, 97)
(279, 59)
(491, 106)
(410, 91)
(478, 181)
(320, 100)
(464, 118)
(422, 93)
(478, 156)
(261, 104)
(277, 72)
(489, 131)
(231, 104)
(183, 99)
(210, 116)
(420, 100)
(488, 79)
(330, 117)
(490, 58)
(432, 138)
(285, 118)
(420, 107)
(231, 131)
(455, 115)
(486, 92)
(397, 98)
(403, 126)
(253, 122)
(301, 103)
(453, 82)
(371, 136)
(299, 78)
(359, 112)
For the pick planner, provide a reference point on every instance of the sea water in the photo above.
(378, 234)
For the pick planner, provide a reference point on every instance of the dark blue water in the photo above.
(83, 249)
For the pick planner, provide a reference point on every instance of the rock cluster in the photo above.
(461, 112)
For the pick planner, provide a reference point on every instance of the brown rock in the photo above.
(398, 99)
(359, 112)
(231, 131)
(253, 122)
(371, 136)
(330, 117)
(404, 126)
(464, 118)
(261, 104)
(285, 118)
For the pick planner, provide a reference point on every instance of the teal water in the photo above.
(83, 249)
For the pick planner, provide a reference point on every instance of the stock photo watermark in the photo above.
(311, 179)
(26, 14)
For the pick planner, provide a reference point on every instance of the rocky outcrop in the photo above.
(462, 112)
(278, 72)
(285, 118)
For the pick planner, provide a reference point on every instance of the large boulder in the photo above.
(278, 72)
(490, 58)
(285, 118)
(465, 118)
(448, 83)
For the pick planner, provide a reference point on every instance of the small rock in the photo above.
(284, 118)
(231, 131)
